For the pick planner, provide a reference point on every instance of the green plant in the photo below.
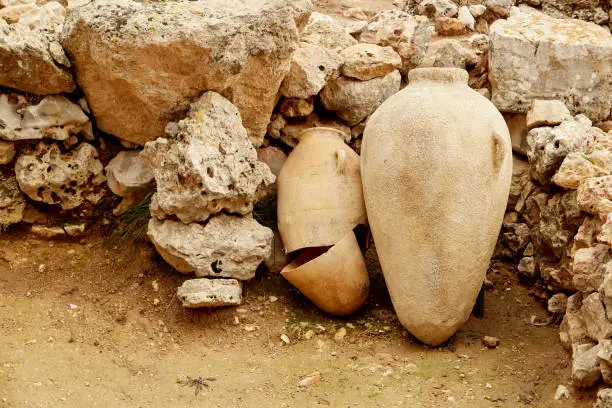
(133, 223)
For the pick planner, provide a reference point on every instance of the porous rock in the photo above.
(589, 267)
(527, 266)
(450, 26)
(226, 246)
(367, 61)
(195, 293)
(594, 315)
(604, 398)
(12, 202)
(585, 366)
(354, 100)
(499, 7)
(557, 303)
(311, 67)
(127, 174)
(577, 167)
(152, 58)
(7, 152)
(595, 195)
(49, 175)
(54, 117)
(560, 219)
(408, 35)
(534, 56)
(547, 113)
(27, 64)
(206, 165)
(437, 8)
(547, 147)
(327, 32)
(48, 16)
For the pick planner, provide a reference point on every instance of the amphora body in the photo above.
(436, 169)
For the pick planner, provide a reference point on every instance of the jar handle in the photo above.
(340, 162)
(499, 150)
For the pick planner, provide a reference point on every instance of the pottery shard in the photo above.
(595, 195)
(326, 32)
(594, 315)
(128, 174)
(195, 293)
(547, 113)
(311, 67)
(354, 100)
(206, 165)
(585, 366)
(69, 179)
(27, 64)
(534, 56)
(54, 117)
(368, 61)
(225, 247)
(547, 147)
(12, 202)
(140, 64)
(408, 35)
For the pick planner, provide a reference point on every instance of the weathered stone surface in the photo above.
(559, 222)
(499, 7)
(227, 246)
(450, 26)
(367, 61)
(437, 8)
(47, 232)
(54, 117)
(547, 113)
(278, 258)
(516, 236)
(311, 67)
(12, 13)
(26, 63)
(586, 236)
(527, 266)
(577, 167)
(195, 293)
(466, 18)
(408, 35)
(12, 202)
(7, 152)
(585, 366)
(547, 147)
(520, 178)
(68, 179)
(557, 303)
(326, 32)
(534, 56)
(206, 164)
(604, 398)
(589, 267)
(573, 328)
(605, 235)
(595, 195)
(287, 129)
(150, 59)
(477, 10)
(273, 157)
(294, 107)
(128, 174)
(354, 100)
(594, 315)
(569, 8)
(606, 291)
(48, 16)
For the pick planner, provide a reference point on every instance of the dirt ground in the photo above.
(94, 323)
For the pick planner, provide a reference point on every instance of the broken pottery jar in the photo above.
(320, 203)
(436, 169)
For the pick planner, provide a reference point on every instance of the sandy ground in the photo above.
(94, 323)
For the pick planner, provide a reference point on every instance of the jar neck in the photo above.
(328, 132)
(440, 76)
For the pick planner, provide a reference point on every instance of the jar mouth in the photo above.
(322, 129)
(440, 75)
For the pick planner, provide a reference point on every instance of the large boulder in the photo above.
(69, 179)
(206, 165)
(29, 61)
(534, 56)
(226, 247)
(140, 64)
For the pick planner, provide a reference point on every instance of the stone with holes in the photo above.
(195, 293)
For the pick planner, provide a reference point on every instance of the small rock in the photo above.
(12, 202)
(604, 398)
(527, 266)
(562, 392)
(466, 17)
(295, 107)
(310, 379)
(499, 7)
(595, 195)
(577, 167)
(46, 232)
(74, 230)
(7, 152)
(547, 113)
(127, 174)
(367, 61)
(490, 342)
(273, 299)
(477, 10)
(326, 32)
(434, 9)
(594, 316)
(285, 338)
(450, 26)
(340, 334)
(309, 334)
(557, 303)
(195, 293)
(585, 365)
(588, 267)
(250, 327)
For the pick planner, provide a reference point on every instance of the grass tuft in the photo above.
(133, 223)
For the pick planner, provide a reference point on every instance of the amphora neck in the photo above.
(440, 76)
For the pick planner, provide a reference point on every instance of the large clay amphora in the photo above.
(436, 168)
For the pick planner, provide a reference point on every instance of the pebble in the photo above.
(285, 338)
(562, 392)
(250, 327)
(42, 268)
(155, 285)
(310, 379)
(488, 385)
(309, 335)
(490, 341)
(273, 299)
(241, 310)
(340, 334)
(156, 302)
